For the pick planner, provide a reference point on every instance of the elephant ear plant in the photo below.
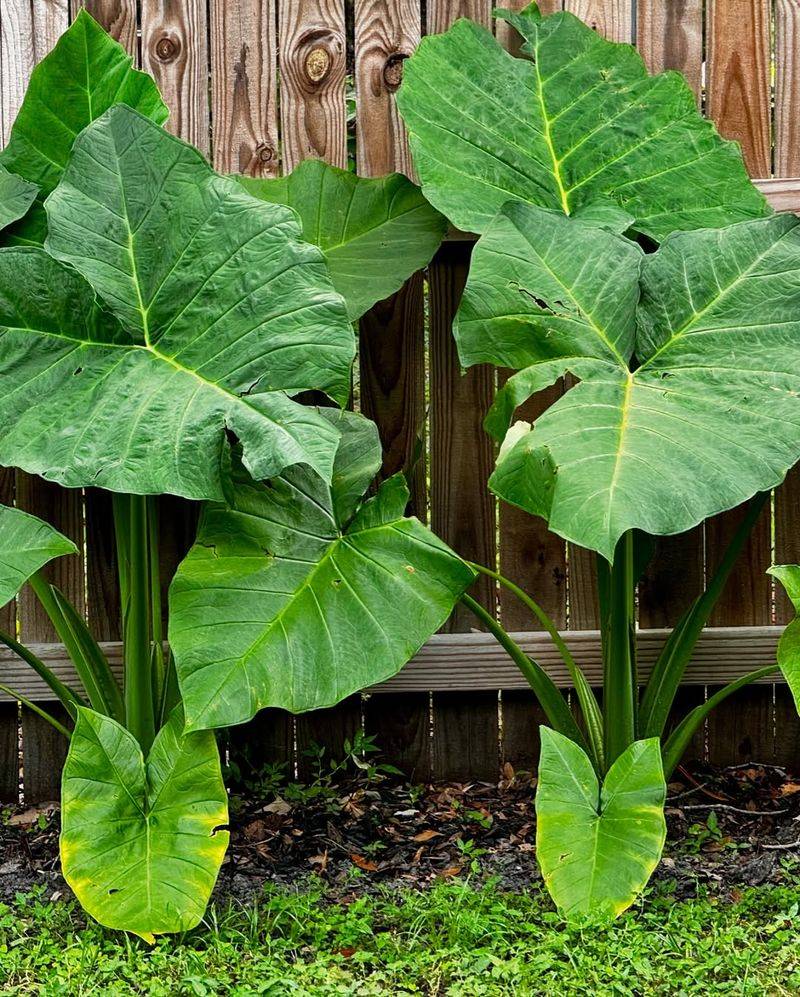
(156, 321)
(573, 165)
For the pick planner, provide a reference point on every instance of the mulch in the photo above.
(728, 829)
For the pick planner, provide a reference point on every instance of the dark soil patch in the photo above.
(728, 829)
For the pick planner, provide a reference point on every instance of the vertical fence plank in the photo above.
(462, 457)
(244, 86)
(118, 17)
(738, 84)
(244, 116)
(313, 62)
(787, 497)
(669, 35)
(392, 335)
(611, 18)
(614, 20)
(44, 749)
(16, 62)
(738, 99)
(312, 58)
(175, 52)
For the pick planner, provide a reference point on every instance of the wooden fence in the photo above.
(260, 84)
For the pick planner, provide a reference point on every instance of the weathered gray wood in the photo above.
(473, 661)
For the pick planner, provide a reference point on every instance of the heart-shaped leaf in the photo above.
(26, 545)
(577, 120)
(142, 842)
(222, 310)
(375, 233)
(598, 846)
(85, 74)
(296, 594)
(688, 404)
(789, 644)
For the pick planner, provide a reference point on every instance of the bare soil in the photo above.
(728, 829)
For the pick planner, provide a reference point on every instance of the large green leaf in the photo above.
(16, 196)
(222, 310)
(685, 413)
(375, 233)
(85, 74)
(598, 846)
(26, 545)
(142, 842)
(296, 594)
(577, 120)
(789, 644)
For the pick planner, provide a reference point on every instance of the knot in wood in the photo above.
(167, 48)
(393, 71)
(318, 64)
(265, 153)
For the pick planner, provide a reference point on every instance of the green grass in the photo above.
(456, 939)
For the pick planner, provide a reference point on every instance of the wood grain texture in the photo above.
(737, 80)
(385, 35)
(244, 86)
(741, 729)
(313, 63)
(672, 580)
(392, 382)
(787, 730)
(669, 35)
(520, 741)
(442, 13)
(400, 724)
(175, 52)
(118, 17)
(611, 18)
(16, 58)
(474, 660)
(787, 164)
(466, 736)
(9, 753)
(44, 750)
(267, 740)
(462, 453)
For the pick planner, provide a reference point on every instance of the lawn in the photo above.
(458, 938)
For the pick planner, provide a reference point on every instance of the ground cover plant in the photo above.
(621, 243)
(156, 323)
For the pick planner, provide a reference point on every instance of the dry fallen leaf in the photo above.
(789, 789)
(362, 863)
(321, 861)
(452, 870)
(426, 835)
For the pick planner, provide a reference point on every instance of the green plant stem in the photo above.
(133, 540)
(157, 652)
(671, 665)
(69, 700)
(552, 702)
(586, 698)
(88, 660)
(37, 709)
(618, 622)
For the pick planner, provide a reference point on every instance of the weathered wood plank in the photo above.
(118, 17)
(466, 736)
(313, 62)
(43, 752)
(175, 51)
(520, 741)
(442, 13)
(328, 729)
(9, 753)
(451, 661)
(400, 723)
(737, 80)
(611, 18)
(669, 35)
(244, 86)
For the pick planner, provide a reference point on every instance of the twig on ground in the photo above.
(736, 810)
